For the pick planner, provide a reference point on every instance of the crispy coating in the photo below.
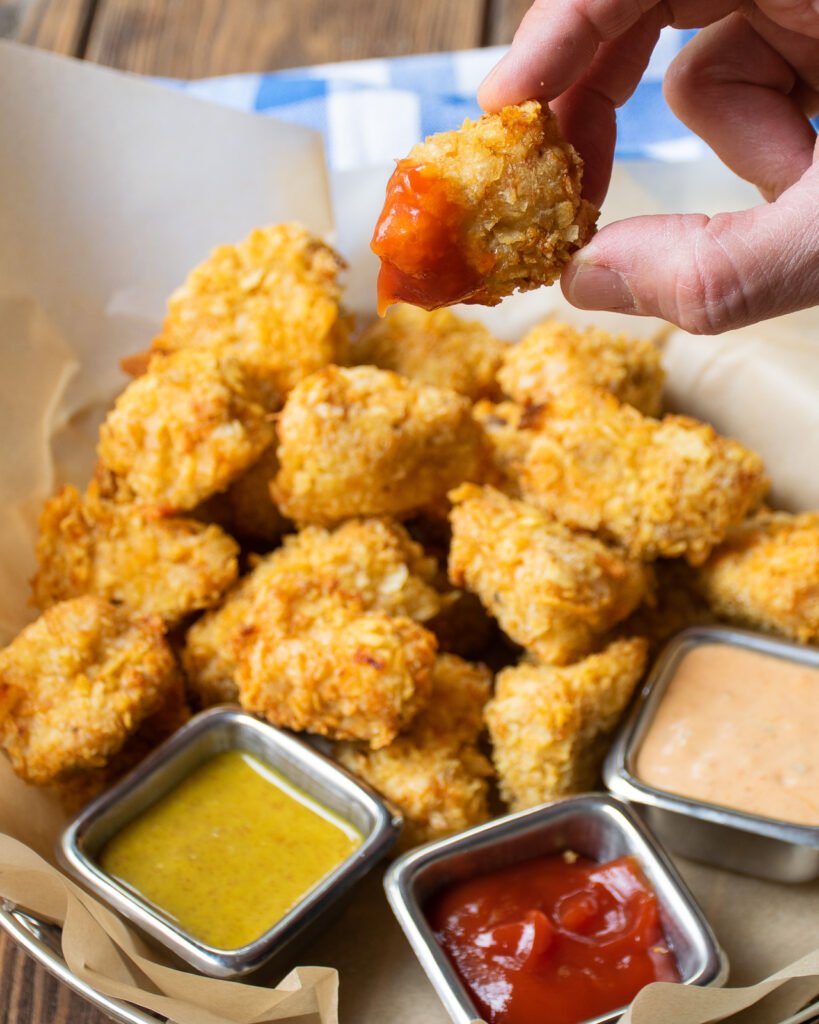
(434, 773)
(363, 441)
(475, 214)
(766, 574)
(372, 561)
(273, 299)
(550, 726)
(660, 488)
(553, 591)
(246, 508)
(167, 567)
(77, 684)
(77, 789)
(185, 430)
(554, 355)
(437, 348)
(314, 660)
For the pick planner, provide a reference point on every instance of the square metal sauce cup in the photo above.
(731, 839)
(595, 825)
(210, 733)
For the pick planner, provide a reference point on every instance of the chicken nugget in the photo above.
(372, 561)
(434, 773)
(184, 430)
(553, 591)
(167, 567)
(553, 356)
(766, 575)
(75, 790)
(273, 299)
(314, 660)
(660, 488)
(437, 348)
(473, 215)
(367, 442)
(550, 726)
(79, 682)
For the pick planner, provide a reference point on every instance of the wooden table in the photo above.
(194, 39)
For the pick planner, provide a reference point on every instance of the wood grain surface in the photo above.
(58, 25)
(195, 38)
(198, 38)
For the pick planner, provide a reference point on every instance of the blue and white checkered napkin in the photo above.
(372, 111)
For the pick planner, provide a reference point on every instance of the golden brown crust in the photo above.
(75, 790)
(273, 299)
(549, 726)
(363, 441)
(167, 567)
(434, 773)
(373, 562)
(438, 348)
(84, 676)
(766, 575)
(554, 355)
(661, 488)
(185, 430)
(553, 591)
(313, 660)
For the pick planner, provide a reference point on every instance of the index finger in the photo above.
(558, 39)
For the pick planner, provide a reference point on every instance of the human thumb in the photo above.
(707, 275)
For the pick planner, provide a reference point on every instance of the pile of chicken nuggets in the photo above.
(342, 531)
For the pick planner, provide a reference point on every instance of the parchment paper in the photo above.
(110, 190)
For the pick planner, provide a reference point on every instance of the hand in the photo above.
(747, 84)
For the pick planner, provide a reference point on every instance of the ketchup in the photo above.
(556, 939)
(419, 240)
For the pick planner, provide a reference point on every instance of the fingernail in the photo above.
(592, 287)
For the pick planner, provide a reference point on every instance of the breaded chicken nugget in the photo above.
(274, 299)
(75, 790)
(553, 591)
(246, 508)
(553, 356)
(437, 348)
(314, 660)
(373, 561)
(550, 726)
(667, 487)
(167, 567)
(185, 430)
(80, 681)
(366, 442)
(766, 574)
(475, 214)
(434, 773)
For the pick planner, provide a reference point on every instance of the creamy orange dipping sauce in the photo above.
(740, 729)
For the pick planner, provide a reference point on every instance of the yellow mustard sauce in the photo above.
(230, 850)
